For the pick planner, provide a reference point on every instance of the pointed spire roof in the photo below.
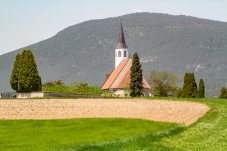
(121, 39)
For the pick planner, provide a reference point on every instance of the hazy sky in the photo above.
(25, 22)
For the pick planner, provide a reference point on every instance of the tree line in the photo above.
(164, 84)
(73, 88)
(25, 78)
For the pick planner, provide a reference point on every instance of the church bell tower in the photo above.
(121, 51)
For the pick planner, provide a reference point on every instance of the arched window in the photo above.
(119, 53)
(124, 53)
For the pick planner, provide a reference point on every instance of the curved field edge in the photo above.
(159, 110)
(36, 135)
(131, 143)
(207, 133)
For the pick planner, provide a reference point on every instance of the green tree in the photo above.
(107, 75)
(25, 76)
(201, 90)
(136, 76)
(55, 86)
(163, 83)
(186, 83)
(223, 93)
(179, 92)
(126, 89)
(190, 87)
(15, 73)
(194, 86)
(79, 88)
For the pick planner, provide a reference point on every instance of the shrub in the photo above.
(223, 93)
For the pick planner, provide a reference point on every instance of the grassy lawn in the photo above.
(208, 133)
(32, 135)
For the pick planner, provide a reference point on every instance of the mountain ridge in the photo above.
(85, 51)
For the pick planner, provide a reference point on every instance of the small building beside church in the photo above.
(120, 76)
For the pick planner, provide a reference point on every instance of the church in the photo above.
(120, 76)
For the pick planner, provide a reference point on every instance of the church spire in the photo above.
(121, 51)
(121, 38)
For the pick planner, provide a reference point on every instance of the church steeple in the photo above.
(121, 51)
(121, 38)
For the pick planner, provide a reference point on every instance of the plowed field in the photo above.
(166, 111)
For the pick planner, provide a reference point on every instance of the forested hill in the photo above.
(85, 52)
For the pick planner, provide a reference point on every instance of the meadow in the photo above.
(27, 135)
(208, 133)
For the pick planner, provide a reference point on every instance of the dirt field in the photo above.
(167, 111)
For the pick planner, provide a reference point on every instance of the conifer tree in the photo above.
(201, 90)
(179, 93)
(25, 73)
(190, 86)
(223, 93)
(193, 86)
(15, 73)
(136, 86)
(186, 83)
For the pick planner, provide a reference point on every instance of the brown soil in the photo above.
(166, 111)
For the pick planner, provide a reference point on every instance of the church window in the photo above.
(119, 53)
(124, 53)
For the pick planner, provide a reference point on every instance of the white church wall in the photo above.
(118, 58)
(30, 95)
(146, 92)
(120, 93)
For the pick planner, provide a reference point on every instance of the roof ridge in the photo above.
(107, 78)
(114, 74)
(120, 71)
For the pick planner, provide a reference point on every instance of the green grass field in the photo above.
(208, 133)
(29, 135)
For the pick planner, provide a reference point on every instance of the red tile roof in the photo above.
(114, 74)
(124, 80)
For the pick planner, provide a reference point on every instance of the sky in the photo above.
(25, 22)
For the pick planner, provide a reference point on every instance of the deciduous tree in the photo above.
(163, 83)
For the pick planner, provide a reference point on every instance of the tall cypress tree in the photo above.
(190, 86)
(186, 83)
(15, 73)
(201, 90)
(193, 86)
(136, 76)
(28, 78)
